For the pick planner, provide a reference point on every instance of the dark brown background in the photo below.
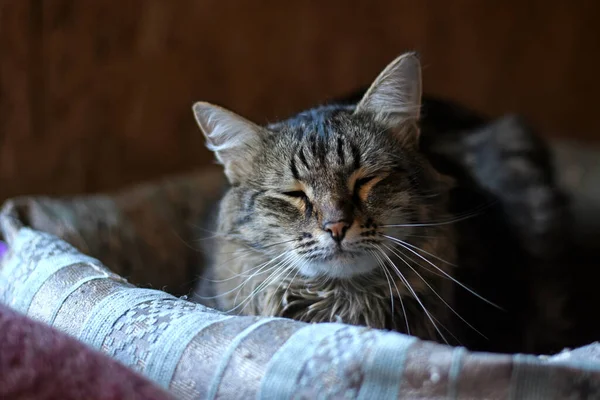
(97, 94)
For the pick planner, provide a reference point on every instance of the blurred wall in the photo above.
(96, 94)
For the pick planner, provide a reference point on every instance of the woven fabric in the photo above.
(199, 353)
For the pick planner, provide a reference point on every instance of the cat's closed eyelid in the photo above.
(363, 181)
(362, 186)
(295, 193)
(297, 196)
(300, 200)
(358, 180)
(295, 189)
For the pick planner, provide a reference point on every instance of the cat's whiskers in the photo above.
(422, 266)
(241, 285)
(433, 290)
(409, 287)
(291, 270)
(252, 250)
(244, 252)
(217, 235)
(286, 269)
(380, 265)
(276, 244)
(200, 228)
(416, 262)
(420, 236)
(279, 271)
(404, 243)
(275, 272)
(298, 268)
(447, 330)
(408, 246)
(412, 225)
(254, 291)
(235, 275)
(457, 218)
(390, 280)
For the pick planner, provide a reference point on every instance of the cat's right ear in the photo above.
(234, 140)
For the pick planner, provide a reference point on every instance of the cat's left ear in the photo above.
(234, 140)
(394, 98)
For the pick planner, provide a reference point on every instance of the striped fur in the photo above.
(357, 164)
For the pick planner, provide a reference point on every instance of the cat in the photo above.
(340, 214)
(324, 218)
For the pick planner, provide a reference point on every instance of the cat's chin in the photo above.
(342, 266)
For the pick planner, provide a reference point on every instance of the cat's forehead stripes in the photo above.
(293, 168)
(324, 141)
(340, 150)
(302, 158)
(355, 155)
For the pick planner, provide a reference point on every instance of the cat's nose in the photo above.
(337, 229)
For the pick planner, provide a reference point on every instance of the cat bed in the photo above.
(199, 353)
(67, 264)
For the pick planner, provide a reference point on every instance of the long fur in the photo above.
(409, 262)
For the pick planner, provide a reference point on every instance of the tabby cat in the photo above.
(337, 214)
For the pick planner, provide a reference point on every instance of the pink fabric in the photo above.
(38, 362)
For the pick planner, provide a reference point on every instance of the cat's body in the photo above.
(337, 214)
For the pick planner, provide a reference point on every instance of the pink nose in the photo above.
(337, 230)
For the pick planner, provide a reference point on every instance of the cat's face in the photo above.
(321, 190)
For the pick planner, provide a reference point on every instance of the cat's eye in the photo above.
(299, 194)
